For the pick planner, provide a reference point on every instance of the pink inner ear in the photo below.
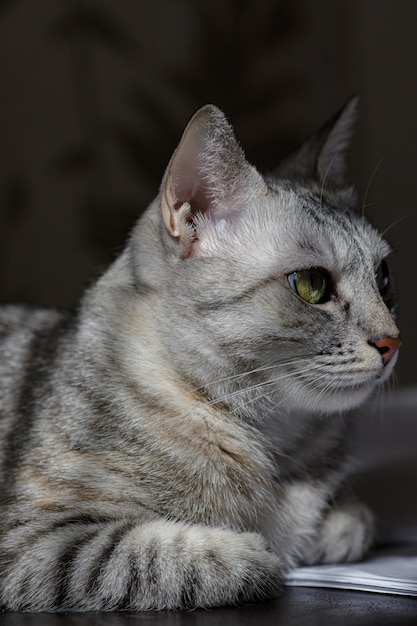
(205, 173)
(185, 176)
(194, 194)
(186, 191)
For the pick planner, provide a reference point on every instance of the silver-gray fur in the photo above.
(173, 444)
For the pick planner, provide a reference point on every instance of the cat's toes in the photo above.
(345, 535)
(246, 571)
(200, 567)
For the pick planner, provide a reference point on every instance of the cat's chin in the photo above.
(346, 398)
(337, 400)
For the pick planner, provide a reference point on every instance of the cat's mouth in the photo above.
(355, 381)
(365, 381)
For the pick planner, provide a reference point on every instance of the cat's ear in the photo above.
(323, 156)
(207, 176)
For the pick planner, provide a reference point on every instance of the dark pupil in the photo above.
(317, 282)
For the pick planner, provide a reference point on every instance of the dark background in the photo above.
(95, 95)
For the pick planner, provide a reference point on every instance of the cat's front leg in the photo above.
(344, 534)
(85, 565)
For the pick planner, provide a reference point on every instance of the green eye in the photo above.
(312, 286)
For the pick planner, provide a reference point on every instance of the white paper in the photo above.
(391, 568)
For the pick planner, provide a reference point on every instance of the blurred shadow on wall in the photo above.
(97, 93)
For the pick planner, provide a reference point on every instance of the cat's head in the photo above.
(274, 289)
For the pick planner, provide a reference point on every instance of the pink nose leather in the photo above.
(387, 347)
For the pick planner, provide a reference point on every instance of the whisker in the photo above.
(325, 178)
(258, 398)
(276, 405)
(252, 388)
(300, 374)
(364, 206)
(397, 221)
(349, 206)
(257, 370)
(329, 388)
(257, 386)
(368, 186)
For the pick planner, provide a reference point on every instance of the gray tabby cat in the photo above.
(172, 444)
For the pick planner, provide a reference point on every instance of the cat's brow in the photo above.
(231, 301)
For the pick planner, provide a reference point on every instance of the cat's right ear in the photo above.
(207, 177)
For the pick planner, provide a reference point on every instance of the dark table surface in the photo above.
(296, 607)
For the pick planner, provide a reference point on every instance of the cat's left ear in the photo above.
(207, 177)
(323, 156)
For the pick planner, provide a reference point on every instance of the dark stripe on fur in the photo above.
(105, 554)
(133, 586)
(65, 563)
(192, 582)
(244, 295)
(42, 354)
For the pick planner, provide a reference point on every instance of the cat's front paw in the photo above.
(345, 534)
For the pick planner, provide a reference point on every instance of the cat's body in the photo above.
(172, 444)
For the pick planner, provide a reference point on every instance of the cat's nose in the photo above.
(387, 347)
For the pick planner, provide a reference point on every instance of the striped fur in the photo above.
(171, 444)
